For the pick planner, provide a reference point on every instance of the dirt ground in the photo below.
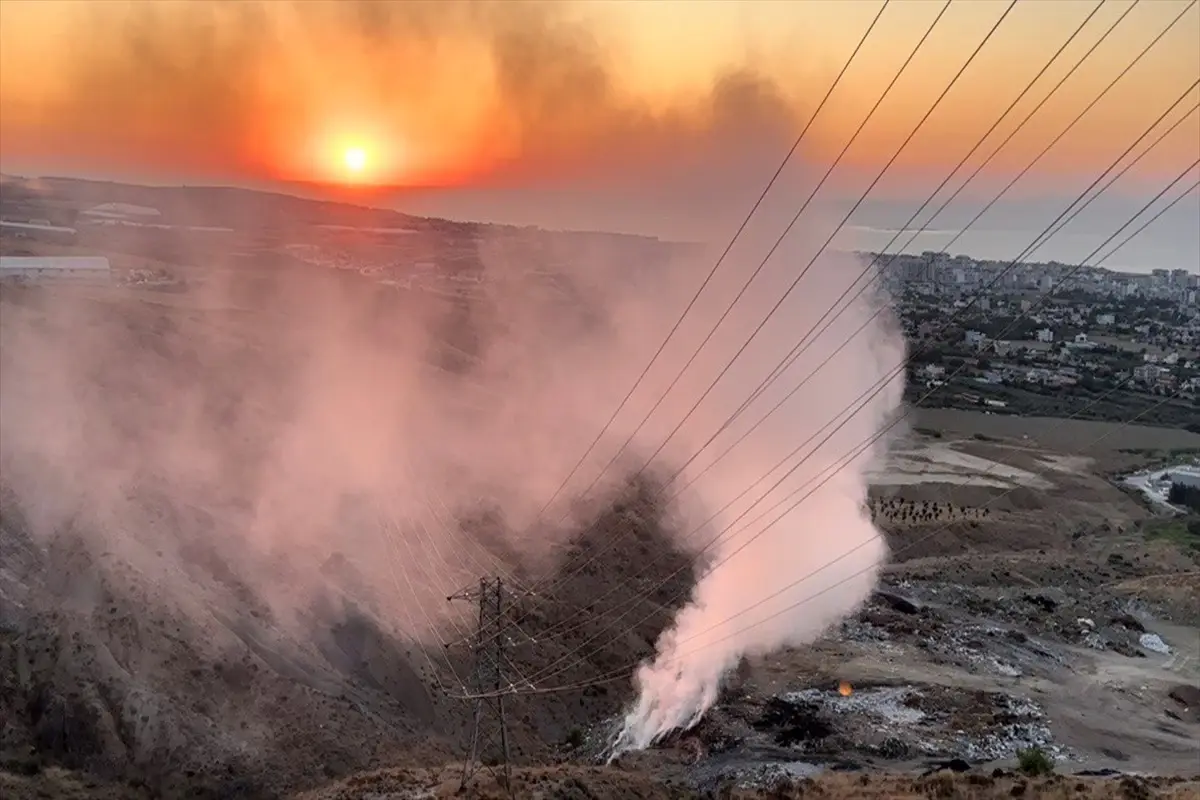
(580, 783)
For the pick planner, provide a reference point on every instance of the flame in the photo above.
(845, 689)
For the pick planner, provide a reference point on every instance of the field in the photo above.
(1022, 610)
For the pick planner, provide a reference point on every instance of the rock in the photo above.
(1186, 696)
(1129, 622)
(1045, 600)
(896, 602)
(1122, 647)
(1154, 643)
(953, 765)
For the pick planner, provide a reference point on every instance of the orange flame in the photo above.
(845, 689)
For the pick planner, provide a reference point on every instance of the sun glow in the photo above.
(366, 156)
(355, 159)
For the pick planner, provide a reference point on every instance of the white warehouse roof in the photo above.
(30, 263)
(122, 210)
(34, 226)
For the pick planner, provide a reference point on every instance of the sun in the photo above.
(355, 159)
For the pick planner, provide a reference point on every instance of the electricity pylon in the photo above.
(488, 679)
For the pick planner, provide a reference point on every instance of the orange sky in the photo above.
(451, 92)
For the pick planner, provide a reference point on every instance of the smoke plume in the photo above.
(447, 92)
(293, 442)
(789, 552)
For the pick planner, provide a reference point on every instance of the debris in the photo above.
(1129, 622)
(1154, 643)
(953, 765)
(896, 602)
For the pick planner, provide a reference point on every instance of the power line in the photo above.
(801, 346)
(877, 436)
(774, 375)
(879, 385)
(887, 90)
(621, 673)
(1052, 229)
(762, 264)
(717, 265)
(1036, 244)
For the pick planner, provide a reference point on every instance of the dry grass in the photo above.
(1060, 435)
(583, 781)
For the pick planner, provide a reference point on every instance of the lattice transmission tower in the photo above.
(490, 680)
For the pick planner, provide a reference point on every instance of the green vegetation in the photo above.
(1081, 402)
(1181, 494)
(575, 739)
(1182, 531)
(1034, 761)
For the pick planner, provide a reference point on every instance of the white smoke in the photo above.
(327, 440)
(776, 577)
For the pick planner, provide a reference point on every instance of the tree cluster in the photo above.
(1181, 494)
(913, 512)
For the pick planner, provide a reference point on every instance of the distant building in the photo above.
(1149, 373)
(933, 371)
(41, 231)
(1045, 335)
(121, 211)
(1106, 319)
(76, 269)
(974, 339)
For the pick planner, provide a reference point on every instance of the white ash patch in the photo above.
(886, 704)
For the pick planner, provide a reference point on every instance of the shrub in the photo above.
(575, 739)
(1035, 761)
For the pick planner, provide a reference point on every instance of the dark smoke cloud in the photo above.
(199, 83)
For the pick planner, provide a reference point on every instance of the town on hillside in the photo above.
(1049, 339)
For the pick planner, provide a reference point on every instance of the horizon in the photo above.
(981, 245)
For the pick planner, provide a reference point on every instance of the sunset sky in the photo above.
(550, 97)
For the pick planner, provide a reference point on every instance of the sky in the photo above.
(650, 116)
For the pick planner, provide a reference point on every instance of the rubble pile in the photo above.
(1001, 631)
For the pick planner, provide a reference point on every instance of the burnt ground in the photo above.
(127, 690)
